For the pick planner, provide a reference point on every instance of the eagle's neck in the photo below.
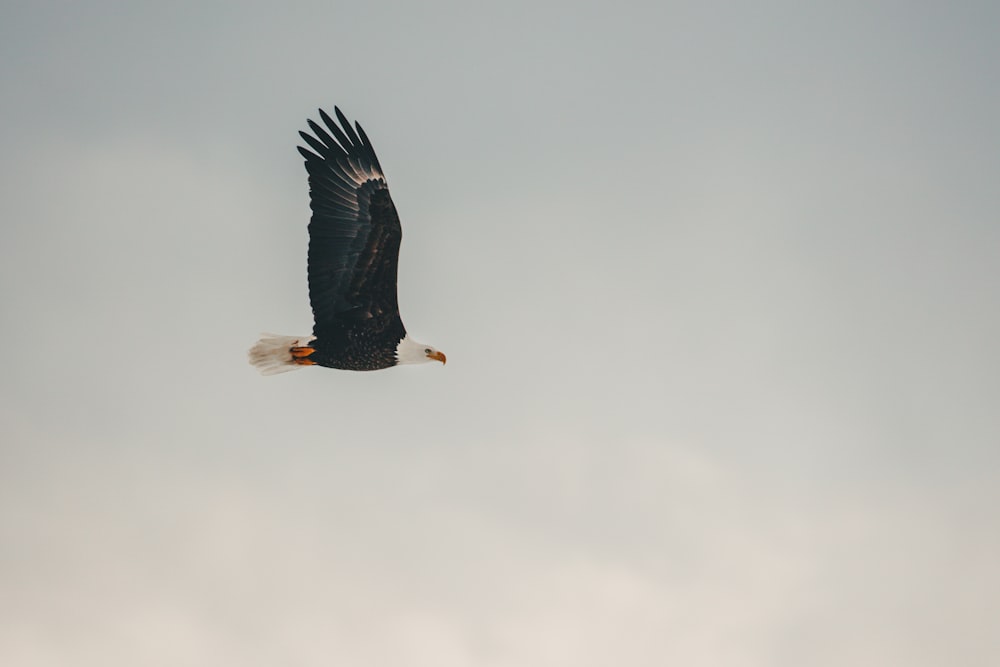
(410, 351)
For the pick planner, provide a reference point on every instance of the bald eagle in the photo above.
(354, 236)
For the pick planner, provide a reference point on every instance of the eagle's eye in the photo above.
(427, 350)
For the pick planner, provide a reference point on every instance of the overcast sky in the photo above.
(717, 283)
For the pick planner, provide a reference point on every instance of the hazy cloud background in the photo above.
(717, 283)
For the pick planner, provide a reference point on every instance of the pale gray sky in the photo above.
(717, 283)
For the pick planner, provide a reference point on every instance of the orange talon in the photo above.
(301, 352)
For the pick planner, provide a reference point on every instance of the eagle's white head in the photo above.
(410, 351)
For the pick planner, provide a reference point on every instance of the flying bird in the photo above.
(354, 237)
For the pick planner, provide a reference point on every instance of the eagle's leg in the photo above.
(300, 355)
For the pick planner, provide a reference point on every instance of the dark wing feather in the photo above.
(354, 233)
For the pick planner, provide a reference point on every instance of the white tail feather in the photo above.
(272, 353)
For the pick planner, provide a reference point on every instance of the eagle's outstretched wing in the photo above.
(354, 232)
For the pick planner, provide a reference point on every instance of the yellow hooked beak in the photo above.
(438, 356)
